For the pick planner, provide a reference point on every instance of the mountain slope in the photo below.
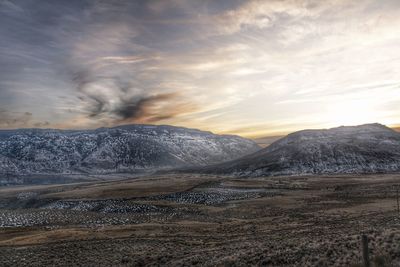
(367, 148)
(120, 149)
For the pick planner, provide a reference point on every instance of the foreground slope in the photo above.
(202, 220)
(119, 149)
(369, 148)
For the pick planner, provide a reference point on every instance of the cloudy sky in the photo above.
(252, 68)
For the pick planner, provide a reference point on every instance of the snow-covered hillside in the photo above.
(121, 149)
(370, 148)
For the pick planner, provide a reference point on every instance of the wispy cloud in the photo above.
(229, 66)
(12, 119)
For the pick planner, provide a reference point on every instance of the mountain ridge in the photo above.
(127, 148)
(368, 148)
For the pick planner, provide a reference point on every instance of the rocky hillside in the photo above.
(370, 148)
(121, 149)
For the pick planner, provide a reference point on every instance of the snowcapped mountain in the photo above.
(127, 148)
(370, 148)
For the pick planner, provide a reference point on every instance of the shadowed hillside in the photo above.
(370, 148)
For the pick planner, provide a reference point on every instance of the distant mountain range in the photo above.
(370, 148)
(128, 148)
(268, 140)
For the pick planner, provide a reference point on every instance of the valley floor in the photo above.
(179, 219)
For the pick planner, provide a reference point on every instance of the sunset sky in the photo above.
(253, 68)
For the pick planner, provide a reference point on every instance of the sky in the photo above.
(252, 68)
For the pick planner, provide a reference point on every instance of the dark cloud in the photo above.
(117, 90)
(147, 109)
(122, 103)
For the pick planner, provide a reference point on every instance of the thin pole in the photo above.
(365, 250)
(398, 205)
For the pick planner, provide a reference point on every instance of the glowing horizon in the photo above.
(252, 68)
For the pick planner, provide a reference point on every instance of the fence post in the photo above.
(397, 196)
(365, 250)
